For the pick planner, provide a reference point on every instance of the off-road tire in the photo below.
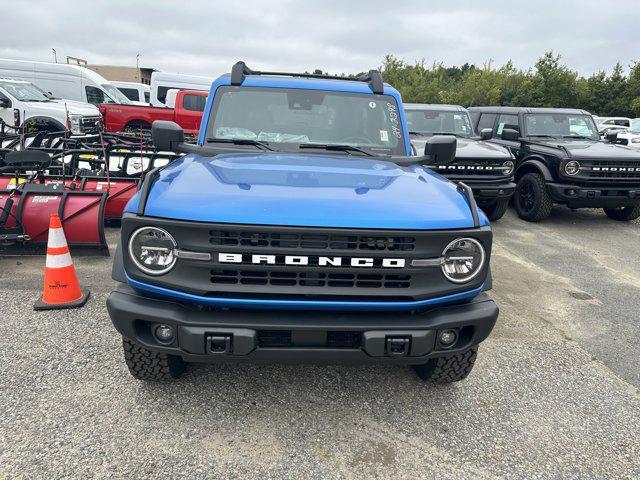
(145, 364)
(623, 214)
(448, 368)
(532, 200)
(496, 210)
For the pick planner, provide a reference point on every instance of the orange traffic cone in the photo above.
(61, 287)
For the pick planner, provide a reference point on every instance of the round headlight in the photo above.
(462, 260)
(508, 167)
(151, 249)
(572, 167)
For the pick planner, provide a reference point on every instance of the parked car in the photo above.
(631, 136)
(22, 104)
(487, 168)
(69, 82)
(612, 124)
(137, 93)
(561, 159)
(300, 227)
(187, 113)
(162, 82)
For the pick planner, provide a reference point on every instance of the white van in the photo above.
(22, 104)
(138, 93)
(162, 82)
(70, 82)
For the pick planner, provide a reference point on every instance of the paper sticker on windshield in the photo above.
(372, 104)
(384, 136)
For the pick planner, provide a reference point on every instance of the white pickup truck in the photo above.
(24, 104)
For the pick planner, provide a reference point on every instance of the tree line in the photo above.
(549, 84)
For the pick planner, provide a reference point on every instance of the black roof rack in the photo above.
(373, 78)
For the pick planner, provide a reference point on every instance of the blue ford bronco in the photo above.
(300, 228)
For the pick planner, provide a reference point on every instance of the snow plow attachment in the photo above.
(82, 215)
(118, 190)
(26, 228)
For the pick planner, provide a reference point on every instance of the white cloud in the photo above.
(202, 37)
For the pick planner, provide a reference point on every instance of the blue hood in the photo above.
(306, 190)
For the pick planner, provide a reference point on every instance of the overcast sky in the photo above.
(207, 37)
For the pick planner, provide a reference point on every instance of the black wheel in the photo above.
(449, 368)
(496, 210)
(145, 364)
(532, 200)
(623, 214)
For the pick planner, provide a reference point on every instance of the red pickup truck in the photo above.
(187, 113)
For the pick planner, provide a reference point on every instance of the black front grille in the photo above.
(90, 124)
(295, 241)
(276, 263)
(284, 278)
(623, 170)
(470, 169)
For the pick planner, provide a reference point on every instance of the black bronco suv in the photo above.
(561, 159)
(486, 167)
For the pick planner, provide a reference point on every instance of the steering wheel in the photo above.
(356, 139)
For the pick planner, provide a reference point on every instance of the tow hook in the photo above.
(219, 344)
(397, 346)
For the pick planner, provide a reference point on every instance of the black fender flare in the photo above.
(533, 165)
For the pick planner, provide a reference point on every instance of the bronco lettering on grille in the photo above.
(303, 260)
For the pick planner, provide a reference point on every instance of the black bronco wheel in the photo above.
(623, 214)
(145, 364)
(448, 368)
(532, 200)
(496, 210)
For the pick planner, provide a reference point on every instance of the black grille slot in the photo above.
(309, 279)
(281, 240)
(274, 338)
(623, 170)
(338, 339)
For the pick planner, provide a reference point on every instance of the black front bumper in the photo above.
(576, 196)
(488, 190)
(300, 336)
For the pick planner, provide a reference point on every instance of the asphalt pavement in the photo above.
(555, 392)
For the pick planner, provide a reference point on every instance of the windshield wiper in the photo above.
(581, 137)
(336, 148)
(542, 136)
(34, 100)
(241, 141)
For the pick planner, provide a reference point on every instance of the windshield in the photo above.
(284, 118)
(560, 125)
(25, 92)
(116, 95)
(635, 126)
(428, 122)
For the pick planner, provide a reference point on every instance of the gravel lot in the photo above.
(555, 392)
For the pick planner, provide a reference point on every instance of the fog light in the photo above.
(164, 333)
(448, 337)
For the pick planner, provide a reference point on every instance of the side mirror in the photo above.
(167, 135)
(510, 134)
(441, 148)
(611, 136)
(486, 133)
(5, 103)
